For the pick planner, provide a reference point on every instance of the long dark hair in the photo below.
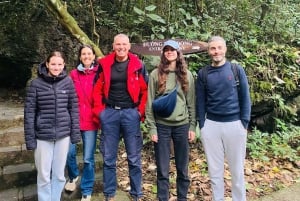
(181, 72)
(79, 54)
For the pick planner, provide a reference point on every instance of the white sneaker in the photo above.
(86, 198)
(71, 184)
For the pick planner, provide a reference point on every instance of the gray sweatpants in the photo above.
(220, 140)
(50, 160)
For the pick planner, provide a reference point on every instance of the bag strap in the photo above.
(236, 73)
(204, 77)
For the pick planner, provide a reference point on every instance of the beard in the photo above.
(218, 59)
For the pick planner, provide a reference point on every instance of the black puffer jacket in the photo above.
(51, 109)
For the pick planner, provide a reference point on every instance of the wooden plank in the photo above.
(154, 47)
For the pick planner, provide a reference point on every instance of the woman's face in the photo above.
(87, 57)
(170, 53)
(55, 66)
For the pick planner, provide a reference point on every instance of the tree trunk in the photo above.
(61, 13)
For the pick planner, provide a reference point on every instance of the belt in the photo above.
(120, 107)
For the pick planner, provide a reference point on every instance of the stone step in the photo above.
(12, 136)
(29, 193)
(17, 120)
(16, 174)
(11, 115)
(14, 155)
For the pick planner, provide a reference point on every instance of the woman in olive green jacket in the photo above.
(179, 126)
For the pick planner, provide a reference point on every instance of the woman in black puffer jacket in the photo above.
(50, 123)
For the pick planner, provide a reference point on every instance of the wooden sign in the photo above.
(154, 47)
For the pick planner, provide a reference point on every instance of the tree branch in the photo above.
(60, 11)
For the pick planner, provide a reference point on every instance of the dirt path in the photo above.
(291, 193)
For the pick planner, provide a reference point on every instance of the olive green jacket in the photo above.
(184, 112)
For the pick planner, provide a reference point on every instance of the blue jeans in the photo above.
(89, 139)
(179, 135)
(72, 167)
(113, 123)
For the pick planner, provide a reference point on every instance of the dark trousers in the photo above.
(179, 135)
(114, 123)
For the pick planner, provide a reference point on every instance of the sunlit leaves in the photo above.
(156, 18)
(150, 8)
(138, 11)
(152, 16)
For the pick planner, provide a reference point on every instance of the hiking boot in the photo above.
(71, 184)
(86, 198)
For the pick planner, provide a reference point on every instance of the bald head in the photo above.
(121, 46)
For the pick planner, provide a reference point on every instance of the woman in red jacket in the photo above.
(83, 78)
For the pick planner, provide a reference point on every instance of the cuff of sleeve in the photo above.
(153, 132)
(201, 124)
(245, 123)
(192, 128)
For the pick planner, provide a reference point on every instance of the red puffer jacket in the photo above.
(83, 82)
(136, 85)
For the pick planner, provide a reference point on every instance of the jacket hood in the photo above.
(43, 73)
(93, 67)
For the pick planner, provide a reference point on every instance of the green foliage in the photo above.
(262, 36)
(196, 61)
(273, 75)
(154, 189)
(284, 143)
(256, 145)
(144, 130)
(147, 20)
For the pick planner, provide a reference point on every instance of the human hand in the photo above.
(191, 136)
(154, 138)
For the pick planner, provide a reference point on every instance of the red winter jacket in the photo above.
(83, 82)
(136, 84)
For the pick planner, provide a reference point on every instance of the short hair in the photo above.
(217, 38)
(121, 35)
